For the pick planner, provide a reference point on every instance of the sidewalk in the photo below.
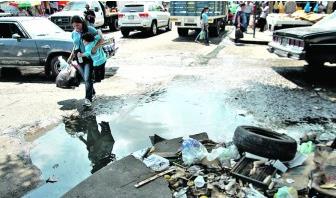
(261, 38)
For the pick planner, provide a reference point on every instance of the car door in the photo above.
(160, 15)
(99, 13)
(19, 51)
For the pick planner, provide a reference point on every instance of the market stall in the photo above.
(297, 19)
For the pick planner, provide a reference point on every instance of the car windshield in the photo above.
(133, 8)
(75, 5)
(328, 22)
(41, 27)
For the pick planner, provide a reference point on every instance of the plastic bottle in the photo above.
(80, 59)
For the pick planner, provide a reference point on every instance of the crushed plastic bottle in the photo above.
(307, 147)
(192, 151)
(199, 181)
(286, 192)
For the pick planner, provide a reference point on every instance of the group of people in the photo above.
(89, 55)
(244, 12)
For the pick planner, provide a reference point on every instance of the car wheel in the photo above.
(215, 31)
(315, 63)
(55, 65)
(265, 143)
(170, 25)
(114, 26)
(182, 32)
(125, 33)
(154, 29)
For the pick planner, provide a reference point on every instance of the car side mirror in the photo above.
(96, 9)
(16, 36)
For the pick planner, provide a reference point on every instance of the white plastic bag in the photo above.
(156, 163)
(192, 151)
(63, 63)
(223, 154)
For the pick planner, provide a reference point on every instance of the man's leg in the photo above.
(89, 90)
(206, 31)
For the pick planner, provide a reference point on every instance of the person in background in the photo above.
(276, 7)
(281, 7)
(290, 7)
(240, 20)
(321, 8)
(248, 11)
(89, 15)
(204, 25)
(22, 12)
(264, 13)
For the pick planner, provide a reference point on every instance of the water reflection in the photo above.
(70, 153)
(98, 143)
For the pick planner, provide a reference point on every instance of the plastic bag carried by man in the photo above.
(67, 77)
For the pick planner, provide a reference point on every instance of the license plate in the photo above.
(284, 41)
(173, 19)
(130, 17)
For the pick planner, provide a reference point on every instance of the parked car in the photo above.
(186, 15)
(104, 17)
(33, 41)
(147, 17)
(315, 44)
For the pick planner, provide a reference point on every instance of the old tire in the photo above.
(125, 33)
(182, 32)
(315, 63)
(265, 143)
(55, 65)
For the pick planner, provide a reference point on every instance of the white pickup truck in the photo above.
(106, 14)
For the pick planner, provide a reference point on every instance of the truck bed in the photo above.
(194, 8)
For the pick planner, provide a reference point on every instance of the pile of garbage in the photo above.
(257, 163)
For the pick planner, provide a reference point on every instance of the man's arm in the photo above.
(71, 55)
(99, 43)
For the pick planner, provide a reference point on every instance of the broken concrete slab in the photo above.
(118, 180)
(173, 145)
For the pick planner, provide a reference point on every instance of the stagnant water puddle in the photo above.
(68, 152)
(77, 148)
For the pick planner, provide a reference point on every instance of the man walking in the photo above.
(89, 15)
(248, 11)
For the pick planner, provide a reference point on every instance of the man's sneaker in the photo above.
(94, 98)
(87, 103)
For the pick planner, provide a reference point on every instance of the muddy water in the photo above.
(181, 109)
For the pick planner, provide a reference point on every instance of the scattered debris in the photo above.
(153, 177)
(55, 166)
(286, 192)
(290, 181)
(156, 163)
(52, 179)
(327, 136)
(203, 168)
(307, 147)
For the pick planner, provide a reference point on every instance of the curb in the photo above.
(251, 41)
